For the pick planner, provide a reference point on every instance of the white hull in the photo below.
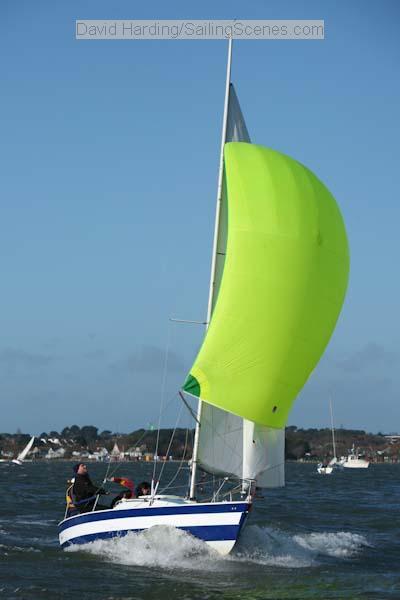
(355, 463)
(324, 470)
(216, 523)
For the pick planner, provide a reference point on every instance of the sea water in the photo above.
(319, 537)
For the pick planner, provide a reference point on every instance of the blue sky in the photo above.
(109, 154)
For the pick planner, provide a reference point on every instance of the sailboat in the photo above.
(328, 469)
(279, 275)
(116, 453)
(353, 460)
(22, 455)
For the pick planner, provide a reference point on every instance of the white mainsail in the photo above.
(236, 130)
(115, 452)
(228, 444)
(334, 459)
(263, 454)
(22, 455)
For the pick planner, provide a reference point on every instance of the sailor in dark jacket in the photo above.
(84, 491)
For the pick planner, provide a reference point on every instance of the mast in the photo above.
(333, 431)
(214, 256)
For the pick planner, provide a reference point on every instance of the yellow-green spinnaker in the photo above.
(283, 285)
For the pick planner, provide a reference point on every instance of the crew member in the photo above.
(84, 492)
(143, 489)
(127, 492)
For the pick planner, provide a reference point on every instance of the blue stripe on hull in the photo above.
(195, 509)
(206, 533)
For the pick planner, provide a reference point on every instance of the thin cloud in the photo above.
(94, 354)
(149, 359)
(15, 359)
(371, 355)
(51, 343)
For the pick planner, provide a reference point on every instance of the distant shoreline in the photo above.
(152, 462)
(87, 443)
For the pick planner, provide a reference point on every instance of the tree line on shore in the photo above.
(300, 443)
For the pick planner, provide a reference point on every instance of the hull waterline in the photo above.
(218, 523)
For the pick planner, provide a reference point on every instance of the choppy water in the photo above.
(319, 537)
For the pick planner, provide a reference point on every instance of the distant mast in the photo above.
(333, 431)
(214, 255)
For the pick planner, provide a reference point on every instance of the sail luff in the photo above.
(247, 435)
(220, 180)
(22, 455)
(214, 256)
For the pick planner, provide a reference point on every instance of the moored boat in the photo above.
(353, 460)
(327, 469)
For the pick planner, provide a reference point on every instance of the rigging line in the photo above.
(163, 383)
(180, 464)
(184, 486)
(170, 442)
(119, 463)
(234, 490)
(199, 483)
(169, 403)
(214, 430)
(206, 421)
(98, 494)
(146, 431)
(188, 407)
(188, 321)
(105, 476)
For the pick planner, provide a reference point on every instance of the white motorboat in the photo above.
(353, 460)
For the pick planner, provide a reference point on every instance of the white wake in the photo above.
(159, 546)
(265, 545)
(169, 548)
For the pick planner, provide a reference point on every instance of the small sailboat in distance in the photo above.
(328, 469)
(22, 455)
(278, 280)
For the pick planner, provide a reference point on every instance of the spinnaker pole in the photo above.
(214, 257)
